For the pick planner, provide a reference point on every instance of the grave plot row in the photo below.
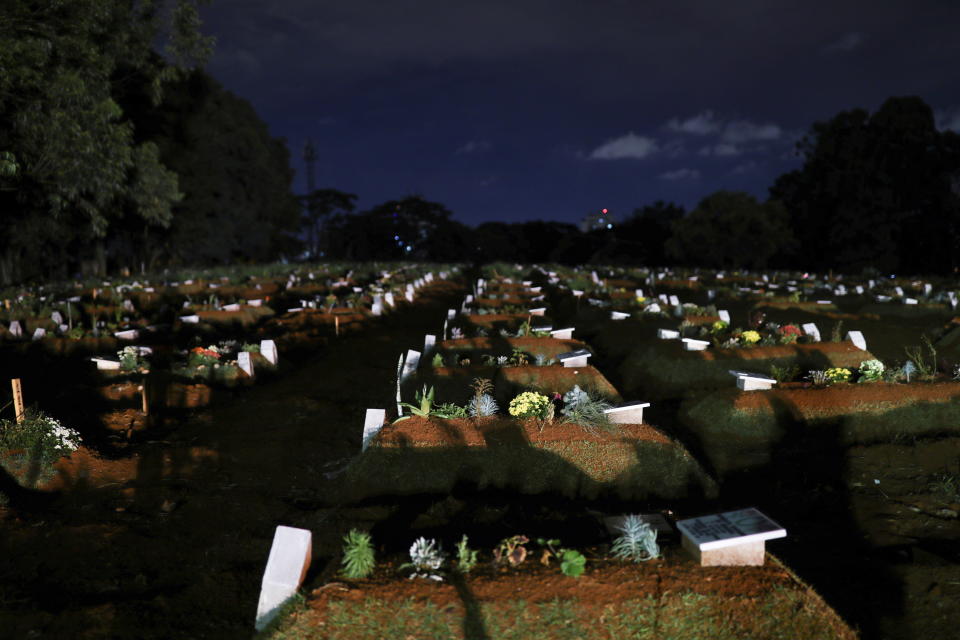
(430, 452)
(531, 456)
(120, 394)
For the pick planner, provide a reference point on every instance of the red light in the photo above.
(603, 211)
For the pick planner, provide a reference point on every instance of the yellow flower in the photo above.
(750, 337)
(529, 404)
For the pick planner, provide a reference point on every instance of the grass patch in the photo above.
(780, 614)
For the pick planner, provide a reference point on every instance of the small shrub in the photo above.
(572, 563)
(437, 360)
(511, 550)
(785, 373)
(466, 557)
(637, 542)
(425, 559)
(580, 409)
(837, 375)
(530, 404)
(358, 557)
(871, 371)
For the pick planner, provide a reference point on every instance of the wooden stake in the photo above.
(17, 399)
(143, 398)
(336, 325)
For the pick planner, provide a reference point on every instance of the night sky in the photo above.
(549, 109)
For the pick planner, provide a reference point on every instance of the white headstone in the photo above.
(576, 293)
(39, 333)
(287, 566)
(410, 364)
(268, 349)
(638, 293)
(753, 381)
(194, 319)
(15, 330)
(664, 298)
(652, 308)
(372, 424)
(745, 528)
(388, 297)
(668, 334)
(539, 311)
(231, 307)
(56, 317)
(690, 344)
(576, 358)
(429, 342)
(255, 303)
(811, 330)
(910, 301)
(128, 334)
(245, 362)
(856, 337)
(675, 301)
(627, 413)
(899, 291)
(106, 364)
(562, 334)
(619, 315)
(724, 315)
(451, 314)
(927, 288)
(859, 290)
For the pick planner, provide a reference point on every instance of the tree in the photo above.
(318, 207)
(876, 191)
(731, 229)
(71, 164)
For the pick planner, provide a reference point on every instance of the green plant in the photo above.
(358, 557)
(518, 358)
(511, 550)
(449, 410)
(437, 360)
(38, 437)
(466, 557)
(818, 377)
(785, 373)
(530, 404)
(836, 332)
(131, 359)
(572, 562)
(946, 485)
(871, 371)
(426, 558)
(637, 541)
(424, 405)
(925, 363)
(250, 348)
(580, 409)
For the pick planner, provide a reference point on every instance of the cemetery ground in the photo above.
(166, 532)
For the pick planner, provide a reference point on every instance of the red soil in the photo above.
(480, 432)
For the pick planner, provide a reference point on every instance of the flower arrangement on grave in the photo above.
(749, 338)
(871, 371)
(789, 333)
(204, 357)
(131, 360)
(719, 326)
(31, 446)
(836, 375)
(531, 404)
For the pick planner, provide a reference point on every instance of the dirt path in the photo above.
(170, 541)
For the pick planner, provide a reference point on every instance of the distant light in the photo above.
(396, 237)
(409, 248)
(609, 226)
(603, 211)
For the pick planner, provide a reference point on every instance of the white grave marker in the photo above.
(675, 301)
(245, 362)
(410, 364)
(39, 333)
(372, 424)
(811, 330)
(690, 344)
(194, 319)
(562, 334)
(268, 349)
(539, 311)
(429, 343)
(619, 315)
(576, 358)
(15, 330)
(910, 301)
(128, 334)
(286, 568)
(856, 337)
(753, 381)
(734, 538)
(627, 413)
(668, 334)
(56, 317)
(106, 364)
(724, 315)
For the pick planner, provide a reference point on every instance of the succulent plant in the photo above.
(482, 406)
(637, 542)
